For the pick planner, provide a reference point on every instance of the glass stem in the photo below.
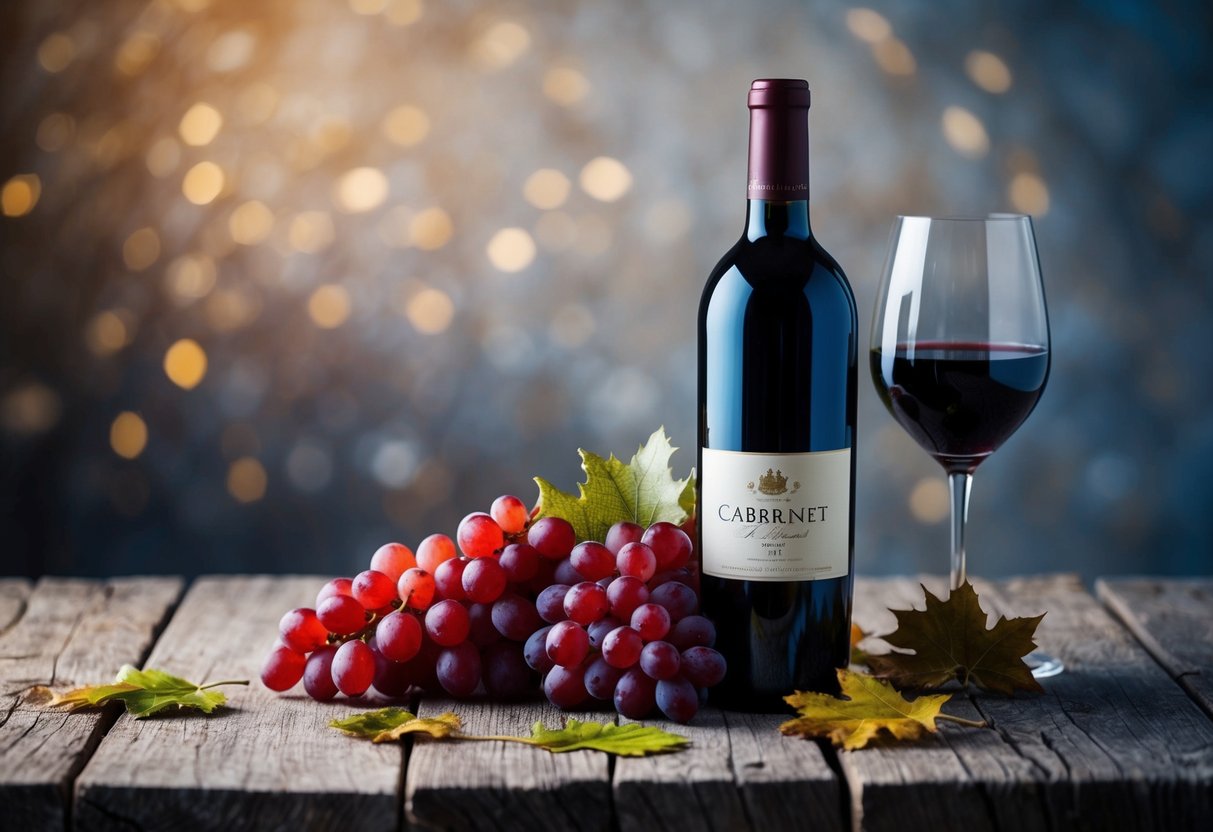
(959, 485)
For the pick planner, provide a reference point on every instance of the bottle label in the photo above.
(775, 517)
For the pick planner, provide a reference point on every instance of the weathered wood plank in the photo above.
(269, 761)
(460, 786)
(1173, 619)
(1113, 742)
(65, 632)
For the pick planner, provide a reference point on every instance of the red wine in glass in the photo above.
(960, 400)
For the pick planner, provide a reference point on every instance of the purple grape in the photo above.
(458, 669)
(635, 694)
(506, 674)
(515, 618)
(565, 687)
(678, 699)
(703, 666)
(318, 674)
(678, 599)
(660, 660)
(550, 603)
(599, 629)
(481, 631)
(601, 678)
(692, 631)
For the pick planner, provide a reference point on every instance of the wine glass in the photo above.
(960, 347)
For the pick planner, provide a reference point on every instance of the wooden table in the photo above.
(1122, 740)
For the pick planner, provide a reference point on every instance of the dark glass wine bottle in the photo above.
(777, 386)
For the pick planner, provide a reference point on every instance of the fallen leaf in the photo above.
(950, 641)
(438, 727)
(370, 724)
(629, 740)
(145, 692)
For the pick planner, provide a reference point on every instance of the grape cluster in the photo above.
(523, 601)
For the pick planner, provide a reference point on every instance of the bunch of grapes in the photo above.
(613, 621)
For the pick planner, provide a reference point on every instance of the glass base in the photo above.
(1043, 665)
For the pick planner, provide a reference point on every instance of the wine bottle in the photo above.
(777, 387)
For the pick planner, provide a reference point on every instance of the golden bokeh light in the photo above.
(311, 232)
(988, 71)
(20, 194)
(185, 364)
(894, 57)
(163, 157)
(431, 229)
(257, 102)
(141, 249)
(546, 188)
(329, 306)
(29, 408)
(406, 125)
(403, 12)
(555, 230)
(430, 311)
(106, 333)
(360, 190)
(200, 124)
(231, 51)
(965, 132)
(55, 131)
(565, 85)
(1029, 194)
(511, 249)
(605, 179)
(136, 52)
(56, 52)
(368, 7)
(868, 25)
(230, 309)
(929, 502)
(251, 223)
(203, 183)
(191, 276)
(128, 435)
(502, 44)
(246, 480)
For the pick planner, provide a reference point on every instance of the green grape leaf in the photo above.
(642, 491)
(629, 740)
(370, 724)
(686, 500)
(145, 692)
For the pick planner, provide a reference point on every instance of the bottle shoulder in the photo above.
(779, 265)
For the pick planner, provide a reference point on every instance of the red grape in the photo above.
(651, 621)
(459, 669)
(515, 617)
(447, 623)
(703, 666)
(337, 586)
(601, 678)
(553, 537)
(520, 562)
(565, 687)
(678, 599)
(342, 615)
(593, 560)
(434, 550)
(353, 668)
(282, 668)
(585, 603)
(391, 678)
(621, 648)
(567, 643)
(670, 544)
(636, 560)
(691, 631)
(318, 675)
(660, 660)
(398, 636)
(392, 559)
(481, 631)
(550, 603)
(479, 535)
(635, 694)
(506, 674)
(416, 588)
(678, 699)
(449, 578)
(374, 589)
(621, 534)
(483, 580)
(625, 594)
(535, 651)
(510, 514)
(302, 631)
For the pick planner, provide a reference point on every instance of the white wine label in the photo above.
(775, 517)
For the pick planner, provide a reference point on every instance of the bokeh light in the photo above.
(431, 229)
(406, 125)
(988, 71)
(511, 249)
(430, 311)
(251, 223)
(605, 179)
(185, 363)
(200, 125)
(203, 183)
(128, 435)
(247, 480)
(965, 132)
(546, 188)
(20, 195)
(329, 306)
(360, 190)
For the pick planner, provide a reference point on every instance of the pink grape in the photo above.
(703, 666)
(302, 631)
(625, 594)
(506, 674)
(585, 603)
(481, 631)
(636, 560)
(651, 621)
(565, 687)
(593, 560)
(510, 514)
(416, 589)
(678, 599)
(692, 631)
(448, 578)
(670, 544)
(483, 580)
(459, 669)
(635, 694)
(342, 615)
(660, 660)
(535, 651)
(550, 603)
(520, 562)
(374, 589)
(353, 668)
(479, 535)
(318, 675)
(553, 537)
(601, 678)
(566, 573)
(622, 647)
(677, 699)
(392, 559)
(434, 550)
(621, 534)
(282, 668)
(398, 636)
(515, 617)
(567, 643)
(337, 586)
(599, 629)
(447, 623)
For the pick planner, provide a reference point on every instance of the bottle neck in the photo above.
(768, 218)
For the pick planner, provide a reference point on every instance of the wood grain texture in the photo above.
(268, 761)
(65, 633)
(693, 789)
(499, 785)
(1173, 619)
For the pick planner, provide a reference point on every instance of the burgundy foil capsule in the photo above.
(779, 140)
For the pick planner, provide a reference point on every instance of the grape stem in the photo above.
(479, 738)
(226, 682)
(961, 721)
